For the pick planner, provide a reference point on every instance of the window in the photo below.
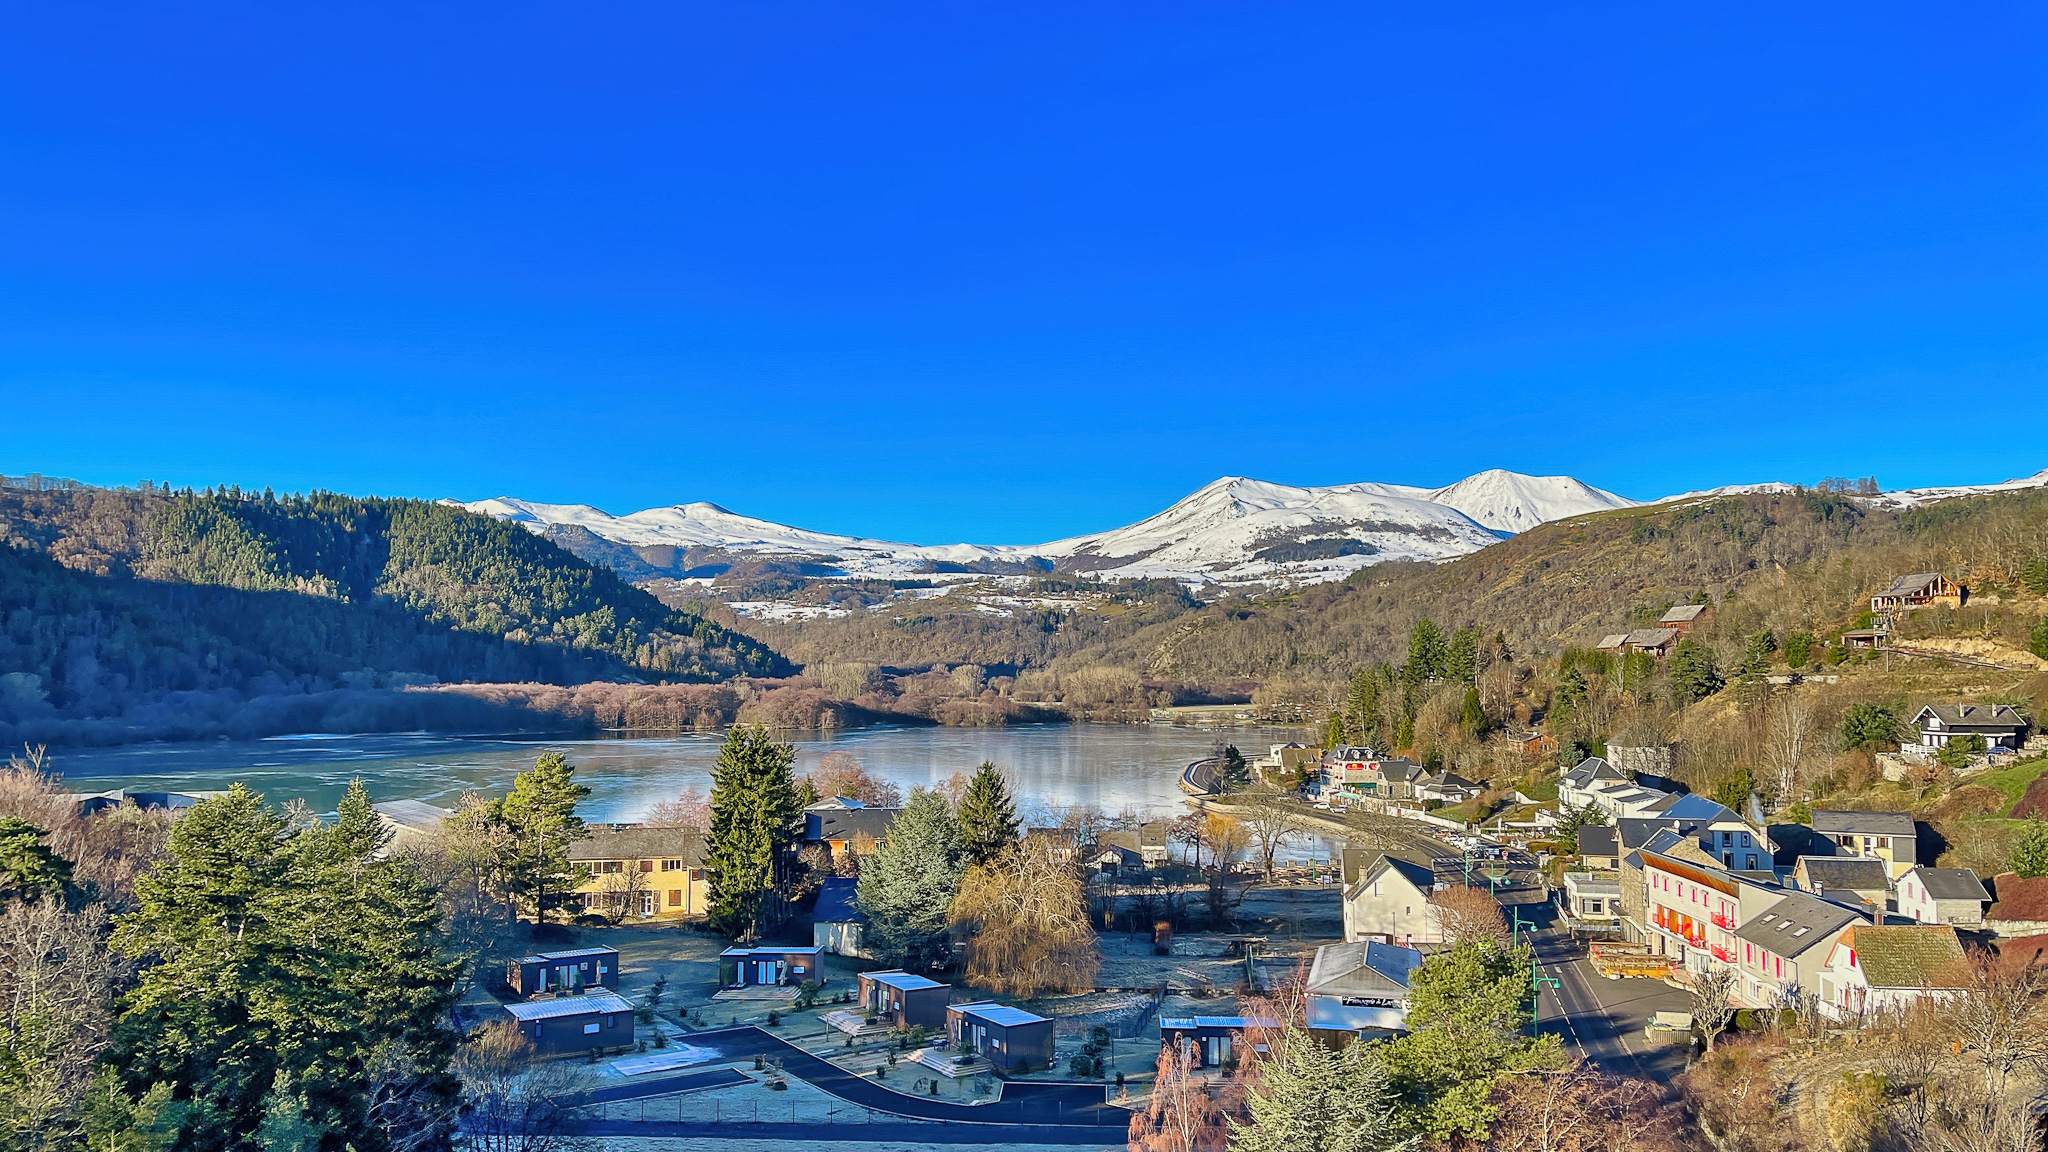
(590, 1029)
(608, 867)
(675, 897)
(609, 1021)
(647, 865)
(671, 865)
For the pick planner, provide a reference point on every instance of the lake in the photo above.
(1111, 766)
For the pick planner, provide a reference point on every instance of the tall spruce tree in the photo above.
(1235, 775)
(756, 816)
(541, 812)
(988, 816)
(1362, 708)
(1426, 651)
(297, 983)
(906, 888)
(1310, 1097)
(1694, 675)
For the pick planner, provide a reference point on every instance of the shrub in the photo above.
(774, 1018)
(1082, 1065)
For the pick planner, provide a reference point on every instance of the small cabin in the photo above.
(1686, 617)
(903, 999)
(1010, 1039)
(1658, 642)
(1210, 1040)
(768, 966)
(1918, 590)
(575, 1023)
(568, 972)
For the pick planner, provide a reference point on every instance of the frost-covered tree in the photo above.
(1312, 1098)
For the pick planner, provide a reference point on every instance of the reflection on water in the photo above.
(1109, 765)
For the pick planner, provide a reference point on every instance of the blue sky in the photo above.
(1009, 272)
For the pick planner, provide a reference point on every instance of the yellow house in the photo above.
(643, 873)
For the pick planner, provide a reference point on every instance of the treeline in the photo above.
(127, 614)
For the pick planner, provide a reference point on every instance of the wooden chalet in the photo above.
(1686, 617)
(1918, 590)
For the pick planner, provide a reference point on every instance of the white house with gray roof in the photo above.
(1780, 952)
(1942, 896)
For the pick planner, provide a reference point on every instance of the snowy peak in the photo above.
(1511, 502)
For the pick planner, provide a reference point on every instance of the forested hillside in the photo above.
(143, 609)
(1790, 561)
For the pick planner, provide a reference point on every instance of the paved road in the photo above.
(1035, 1103)
(670, 1085)
(1598, 1018)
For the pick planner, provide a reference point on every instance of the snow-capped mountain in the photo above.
(1912, 497)
(1511, 502)
(1234, 530)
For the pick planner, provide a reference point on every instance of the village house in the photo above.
(1844, 879)
(1539, 744)
(1942, 896)
(1886, 836)
(903, 1000)
(1010, 1039)
(1918, 590)
(1211, 1041)
(569, 971)
(769, 966)
(1870, 970)
(848, 826)
(1060, 842)
(1390, 901)
(1108, 860)
(1686, 617)
(836, 919)
(1148, 841)
(574, 1023)
(1658, 642)
(1999, 725)
(1350, 771)
(1359, 990)
(1600, 847)
(1592, 897)
(643, 873)
(1445, 788)
(1784, 948)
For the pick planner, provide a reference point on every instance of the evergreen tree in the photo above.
(1735, 789)
(293, 974)
(988, 816)
(2030, 852)
(1309, 1097)
(1426, 650)
(1467, 1008)
(1473, 715)
(1870, 725)
(1461, 659)
(756, 817)
(1362, 707)
(1333, 732)
(2037, 640)
(29, 870)
(1235, 775)
(906, 888)
(1693, 673)
(1798, 649)
(2034, 576)
(541, 813)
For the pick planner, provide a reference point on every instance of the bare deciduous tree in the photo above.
(1790, 739)
(1181, 1115)
(1469, 915)
(690, 808)
(1270, 819)
(56, 980)
(513, 1100)
(2000, 1019)
(1713, 1003)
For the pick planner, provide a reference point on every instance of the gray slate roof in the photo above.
(1365, 968)
(1853, 873)
(1863, 823)
(1796, 923)
(685, 844)
(1976, 717)
(1950, 883)
(838, 902)
(1599, 840)
(1910, 583)
(848, 823)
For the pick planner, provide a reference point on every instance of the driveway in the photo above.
(1601, 1019)
(1037, 1104)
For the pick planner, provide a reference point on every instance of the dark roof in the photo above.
(685, 844)
(1653, 637)
(1453, 780)
(1975, 717)
(1796, 923)
(1420, 875)
(848, 823)
(1853, 873)
(1863, 823)
(1950, 883)
(1903, 956)
(1635, 831)
(1598, 840)
(1910, 583)
(838, 901)
(2020, 899)
(1364, 968)
(1593, 768)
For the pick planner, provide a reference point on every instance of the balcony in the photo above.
(1725, 955)
(1724, 920)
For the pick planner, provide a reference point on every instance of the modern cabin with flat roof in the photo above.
(903, 999)
(569, 971)
(1010, 1039)
(768, 966)
(1210, 1040)
(575, 1023)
